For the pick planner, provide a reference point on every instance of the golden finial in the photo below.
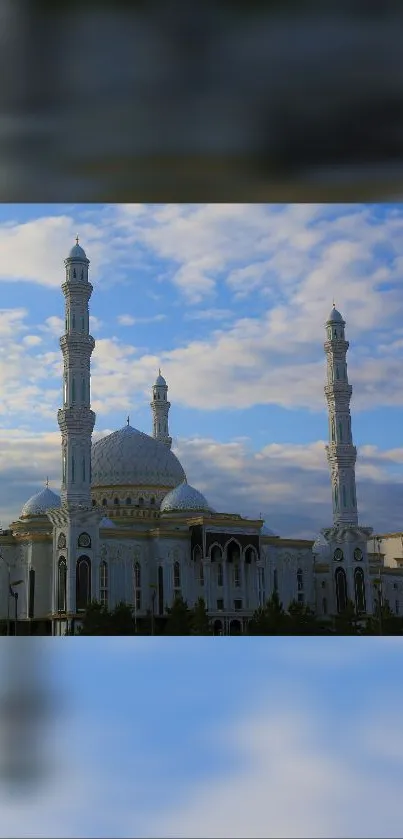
(334, 304)
(159, 371)
(77, 239)
(128, 420)
(47, 483)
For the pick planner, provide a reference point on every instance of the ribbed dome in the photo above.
(130, 458)
(185, 497)
(40, 502)
(77, 252)
(335, 316)
(160, 381)
(321, 546)
(105, 522)
(265, 531)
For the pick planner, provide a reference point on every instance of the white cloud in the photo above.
(129, 320)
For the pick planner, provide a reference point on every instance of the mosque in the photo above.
(128, 527)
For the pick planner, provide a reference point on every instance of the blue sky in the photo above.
(230, 301)
(240, 737)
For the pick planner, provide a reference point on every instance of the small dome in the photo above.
(40, 502)
(160, 381)
(321, 546)
(265, 531)
(77, 252)
(105, 522)
(185, 498)
(335, 316)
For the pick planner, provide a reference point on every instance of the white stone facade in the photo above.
(127, 526)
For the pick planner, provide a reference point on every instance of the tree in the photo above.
(95, 620)
(200, 624)
(303, 621)
(98, 620)
(179, 618)
(383, 621)
(269, 619)
(349, 621)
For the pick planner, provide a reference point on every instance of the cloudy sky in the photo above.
(297, 737)
(230, 301)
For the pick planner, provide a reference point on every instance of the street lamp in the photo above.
(153, 596)
(9, 593)
(15, 595)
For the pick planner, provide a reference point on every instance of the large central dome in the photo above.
(129, 457)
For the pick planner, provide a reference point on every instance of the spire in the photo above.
(76, 419)
(77, 241)
(128, 420)
(341, 453)
(47, 483)
(160, 410)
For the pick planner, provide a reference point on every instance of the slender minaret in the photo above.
(341, 453)
(160, 408)
(76, 420)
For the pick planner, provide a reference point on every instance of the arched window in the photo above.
(65, 390)
(250, 555)
(128, 502)
(74, 320)
(201, 573)
(344, 497)
(160, 590)
(275, 580)
(73, 477)
(152, 501)
(197, 553)
(324, 606)
(336, 497)
(216, 554)
(74, 273)
(341, 589)
(116, 502)
(104, 502)
(82, 390)
(158, 396)
(333, 430)
(300, 580)
(335, 333)
(359, 587)
(337, 371)
(220, 576)
(94, 503)
(233, 551)
(73, 389)
(137, 585)
(141, 502)
(83, 468)
(82, 324)
(341, 432)
(83, 583)
(103, 582)
(352, 494)
(177, 575)
(61, 585)
(64, 467)
(261, 586)
(237, 575)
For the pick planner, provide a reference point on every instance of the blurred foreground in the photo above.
(26, 709)
(172, 101)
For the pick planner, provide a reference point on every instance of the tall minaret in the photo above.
(76, 420)
(341, 453)
(160, 408)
